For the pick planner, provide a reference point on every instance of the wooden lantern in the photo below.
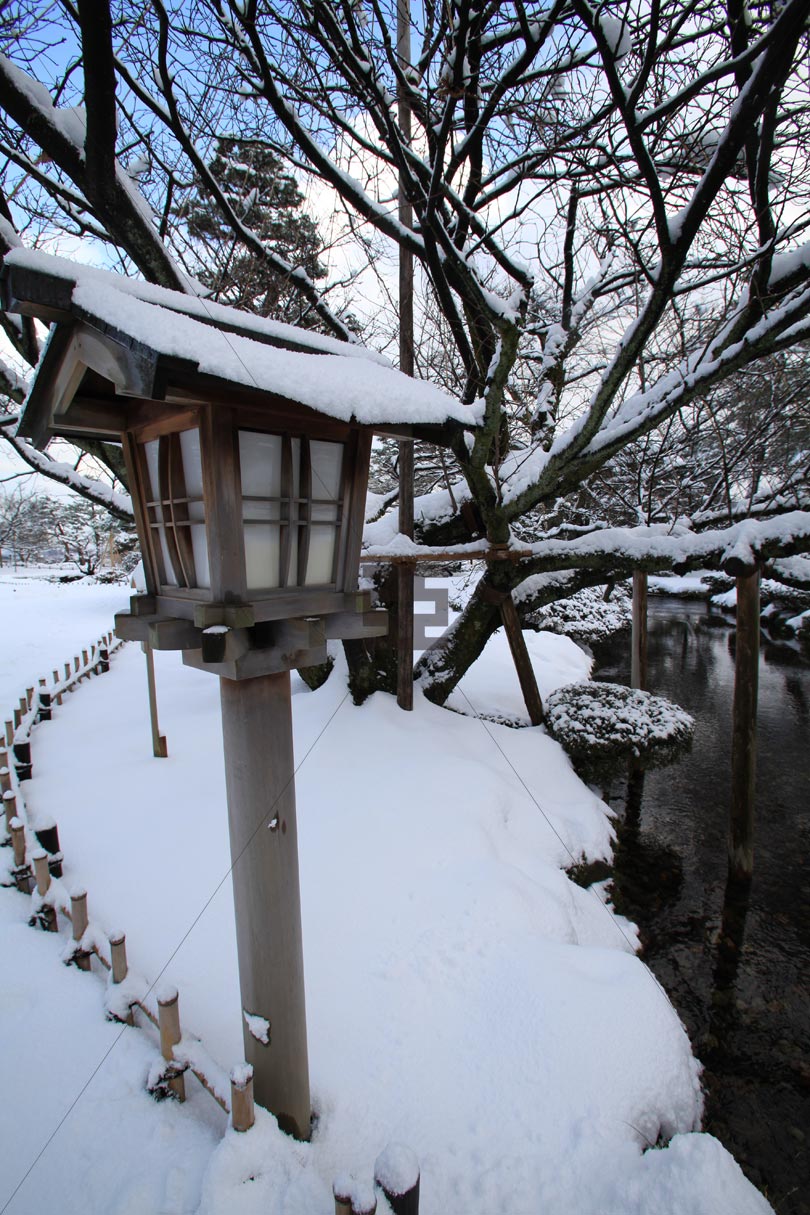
(248, 454)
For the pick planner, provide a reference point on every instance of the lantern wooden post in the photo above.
(259, 771)
(159, 748)
(744, 729)
(638, 657)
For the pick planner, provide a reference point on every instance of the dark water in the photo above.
(736, 963)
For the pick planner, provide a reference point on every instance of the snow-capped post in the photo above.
(46, 916)
(243, 1113)
(405, 572)
(47, 834)
(170, 1035)
(9, 808)
(21, 873)
(118, 956)
(5, 777)
(22, 760)
(57, 680)
(79, 922)
(396, 1172)
(353, 1197)
(9, 728)
(160, 748)
(744, 729)
(103, 659)
(247, 448)
(638, 655)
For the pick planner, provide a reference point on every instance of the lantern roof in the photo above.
(116, 340)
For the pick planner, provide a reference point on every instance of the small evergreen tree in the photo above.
(268, 201)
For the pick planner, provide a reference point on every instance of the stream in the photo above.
(735, 962)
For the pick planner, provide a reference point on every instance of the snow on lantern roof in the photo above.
(147, 340)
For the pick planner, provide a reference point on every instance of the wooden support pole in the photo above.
(405, 609)
(520, 657)
(170, 1035)
(405, 573)
(243, 1113)
(159, 748)
(744, 729)
(79, 920)
(259, 776)
(396, 1172)
(638, 657)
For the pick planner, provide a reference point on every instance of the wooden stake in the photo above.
(259, 776)
(353, 1198)
(9, 733)
(744, 729)
(22, 760)
(396, 1172)
(638, 657)
(520, 657)
(48, 838)
(29, 698)
(10, 808)
(78, 916)
(118, 957)
(41, 872)
(5, 780)
(18, 842)
(57, 680)
(170, 1035)
(159, 747)
(17, 719)
(243, 1113)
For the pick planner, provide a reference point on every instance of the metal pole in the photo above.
(259, 775)
(405, 573)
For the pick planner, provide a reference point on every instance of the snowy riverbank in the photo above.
(464, 997)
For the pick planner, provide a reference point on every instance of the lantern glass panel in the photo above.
(175, 509)
(192, 471)
(325, 511)
(155, 514)
(291, 508)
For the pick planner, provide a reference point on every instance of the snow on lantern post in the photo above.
(249, 508)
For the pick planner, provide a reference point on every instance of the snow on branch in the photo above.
(119, 505)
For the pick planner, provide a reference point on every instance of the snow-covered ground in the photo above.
(464, 997)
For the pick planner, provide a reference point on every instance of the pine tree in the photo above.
(269, 202)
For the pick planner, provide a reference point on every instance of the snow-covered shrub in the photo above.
(603, 726)
(586, 616)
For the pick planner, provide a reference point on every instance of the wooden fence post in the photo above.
(744, 729)
(352, 1197)
(78, 916)
(48, 838)
(170, 1035)
(21, 872)
(118, 956)
(638, 657)
(47, 914)
(22, 761)
(10, 808)
(243, 1113)
(396, 1172)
